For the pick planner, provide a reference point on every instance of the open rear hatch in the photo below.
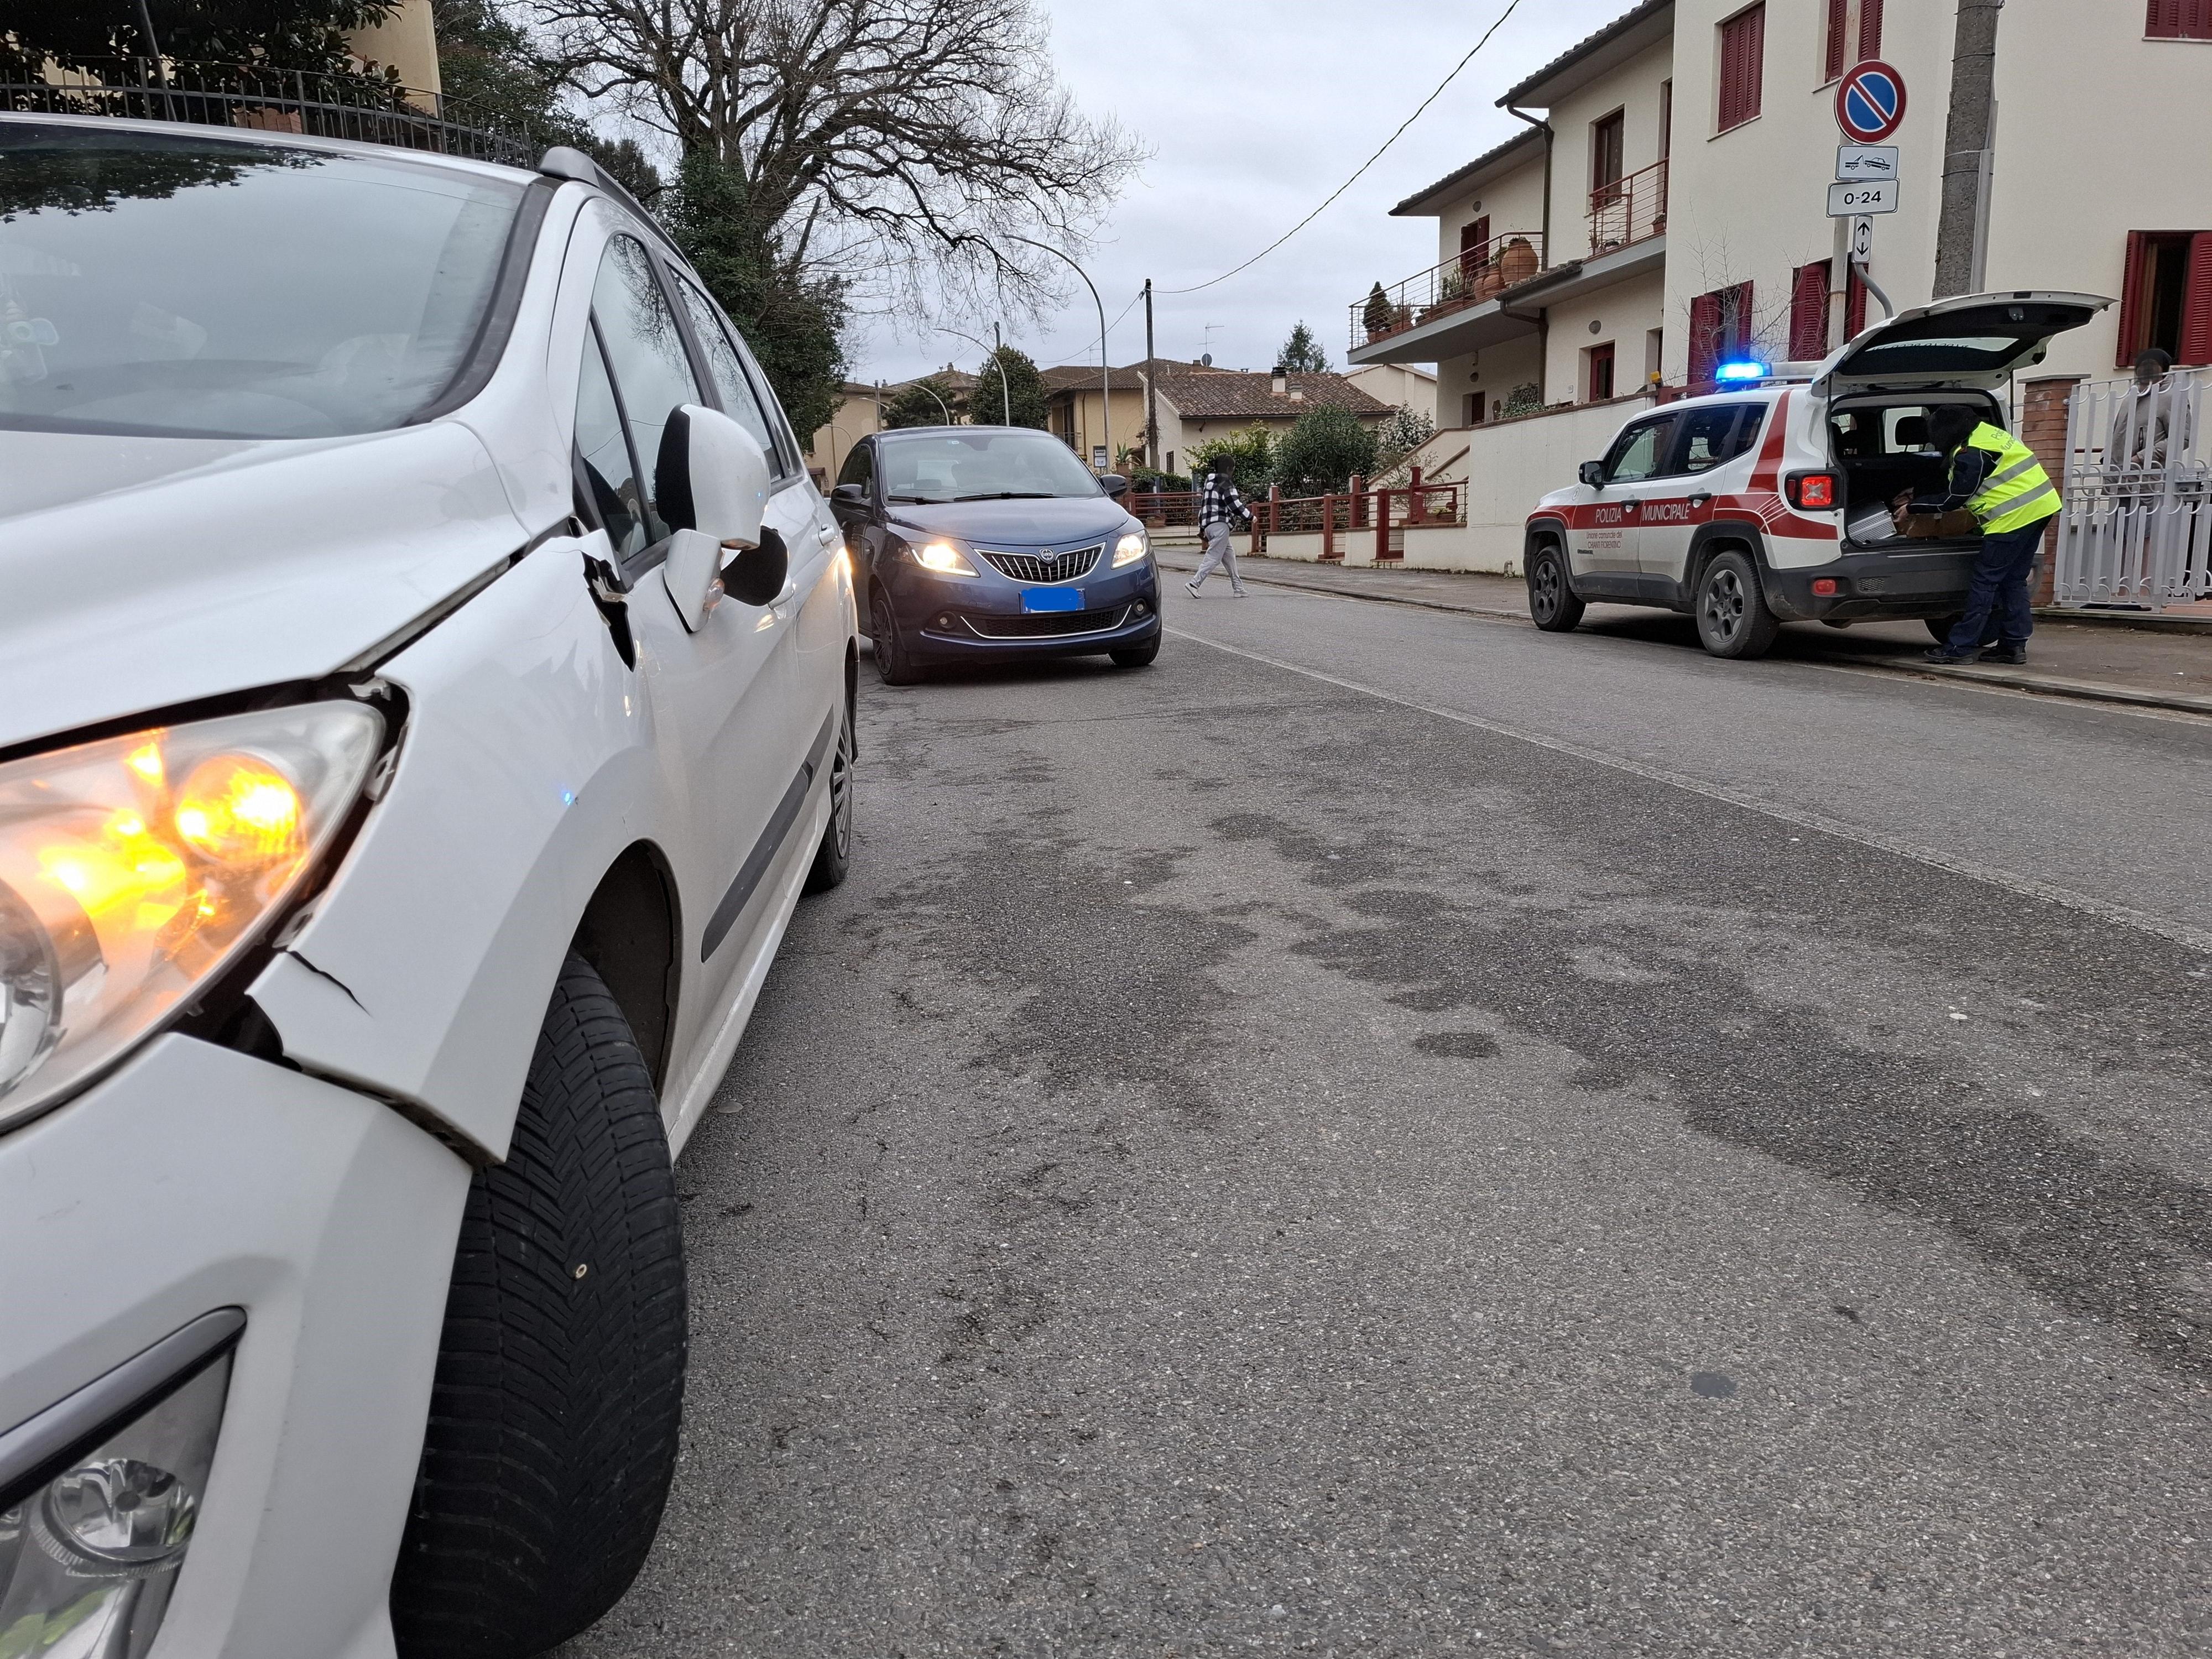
(1975, 342)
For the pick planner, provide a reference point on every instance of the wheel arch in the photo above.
(1539, 530)
(1715, 538)
(631, 933)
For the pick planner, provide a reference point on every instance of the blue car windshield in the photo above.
(982, 465)
(198, 287)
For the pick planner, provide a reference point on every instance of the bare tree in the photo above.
(915, 134)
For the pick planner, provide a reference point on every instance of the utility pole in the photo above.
(1151, 387)
(1965, 144)
(998, 356)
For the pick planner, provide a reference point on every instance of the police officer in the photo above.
(1997, 479)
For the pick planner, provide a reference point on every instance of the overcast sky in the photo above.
(1254, 111)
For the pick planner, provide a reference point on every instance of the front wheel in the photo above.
(1733, 620)
(1553, 605)
(1137, 656)
(892, 661)
(559, 1391)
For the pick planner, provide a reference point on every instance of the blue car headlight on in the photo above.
(941, 558)
(1131, 547)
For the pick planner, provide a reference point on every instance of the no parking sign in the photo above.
(1870, 102)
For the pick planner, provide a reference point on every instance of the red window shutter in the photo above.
(1808, 314)
(2196, 305)
(2134, 307)
(2197, 19)
(1869, 29)
(1855, 299)
(1840, 17)
(2164, 23)
(1743, 56)
(1704, 338)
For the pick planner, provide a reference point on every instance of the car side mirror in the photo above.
(757, 574)
(851, 495)
(710, 483)
(1114, 485)
(1593, 474)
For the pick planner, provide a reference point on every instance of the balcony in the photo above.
(1628, 211)
(1469, 284)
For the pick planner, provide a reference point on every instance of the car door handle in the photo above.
(826, 534)
(1703, 498)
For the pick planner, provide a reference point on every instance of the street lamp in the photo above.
(1105, 372)
(1006, 392)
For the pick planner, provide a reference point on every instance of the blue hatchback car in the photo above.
(973, 543)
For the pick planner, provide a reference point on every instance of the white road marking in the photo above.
(2195, 938)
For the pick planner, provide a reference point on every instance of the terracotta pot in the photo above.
(1490, 283)
(1517, 262)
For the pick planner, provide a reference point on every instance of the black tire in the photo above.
(1733, 620)
(1137, 656)
(834, 858)
(892, 660)
(1553, 605)
(560, 1382)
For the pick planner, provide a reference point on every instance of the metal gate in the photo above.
(2136, 531)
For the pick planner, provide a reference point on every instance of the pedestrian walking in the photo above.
(1220, 512)
(1995, 477)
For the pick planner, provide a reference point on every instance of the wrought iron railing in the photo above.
(1474, 276)
(367, 109)
(1630, 209)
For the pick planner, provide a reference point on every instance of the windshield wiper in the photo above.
(927, 500)
(1011, 495)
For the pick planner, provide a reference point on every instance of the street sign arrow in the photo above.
(1870, 102)
(1861, 241)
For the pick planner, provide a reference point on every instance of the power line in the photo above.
(1513, 6)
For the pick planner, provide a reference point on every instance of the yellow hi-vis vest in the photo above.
(2019, 492)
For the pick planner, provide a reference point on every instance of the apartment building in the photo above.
(1665, 207)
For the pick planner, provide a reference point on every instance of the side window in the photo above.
(1747, 430)
(859, 466)
(603, 452)
(1639, 453)
(644, 351)
(728, 374)
(1708, 437)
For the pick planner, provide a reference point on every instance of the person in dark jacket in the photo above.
(1220, 511)
(1997, 479)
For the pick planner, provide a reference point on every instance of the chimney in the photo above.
(1282, 381)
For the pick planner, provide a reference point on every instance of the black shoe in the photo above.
(2013, 654)
(1942, 653)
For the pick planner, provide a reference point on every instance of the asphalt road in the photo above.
(1467, 1142)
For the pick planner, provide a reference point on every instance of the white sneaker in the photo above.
(1191, 588)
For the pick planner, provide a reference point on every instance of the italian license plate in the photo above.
(1051, 599)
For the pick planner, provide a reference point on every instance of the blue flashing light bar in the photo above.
(1746, 370)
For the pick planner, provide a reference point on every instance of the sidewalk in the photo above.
(2168, 665)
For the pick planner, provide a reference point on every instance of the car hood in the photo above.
(142, 573)
(1016, 523)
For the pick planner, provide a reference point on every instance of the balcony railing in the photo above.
(1475, 275)
(367, 109)
(1630, 209)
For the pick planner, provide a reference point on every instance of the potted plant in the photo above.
(1376, 313)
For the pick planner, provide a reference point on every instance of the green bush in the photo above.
(1323, 452)
(1252, 454)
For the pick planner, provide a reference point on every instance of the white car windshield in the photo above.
(190, 286)
(984, 465)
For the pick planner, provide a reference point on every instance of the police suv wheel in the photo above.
(1553, 605)
(1733, 620)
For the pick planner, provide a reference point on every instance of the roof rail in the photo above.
(566, 161)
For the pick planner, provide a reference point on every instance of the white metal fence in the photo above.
(2137, 526)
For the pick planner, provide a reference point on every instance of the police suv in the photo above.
(1751, 507)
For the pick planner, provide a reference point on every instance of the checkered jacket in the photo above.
(1219, 503)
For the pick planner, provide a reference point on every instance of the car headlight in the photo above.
(88, 1559)
(944, 558)
(1131, 547)
(133, 868)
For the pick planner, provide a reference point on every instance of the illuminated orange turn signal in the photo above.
(239, 811)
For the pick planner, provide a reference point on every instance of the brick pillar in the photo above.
(2043, 430)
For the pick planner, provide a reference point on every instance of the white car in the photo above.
(1748, 509)
(425, 687)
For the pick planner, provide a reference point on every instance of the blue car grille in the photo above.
(1045, 625)
(1067, 567)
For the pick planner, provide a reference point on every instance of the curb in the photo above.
(2081, 690)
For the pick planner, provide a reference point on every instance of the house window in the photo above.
(1472, 408)
(1851, 21)
(1665, 119)
(1608, 148)
(1597, 374)
(1474, 246)
(2180, 19)
(1743, 67)
(1720, 330)
(1655, 347)
(2165, 298)
(1808, 312)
